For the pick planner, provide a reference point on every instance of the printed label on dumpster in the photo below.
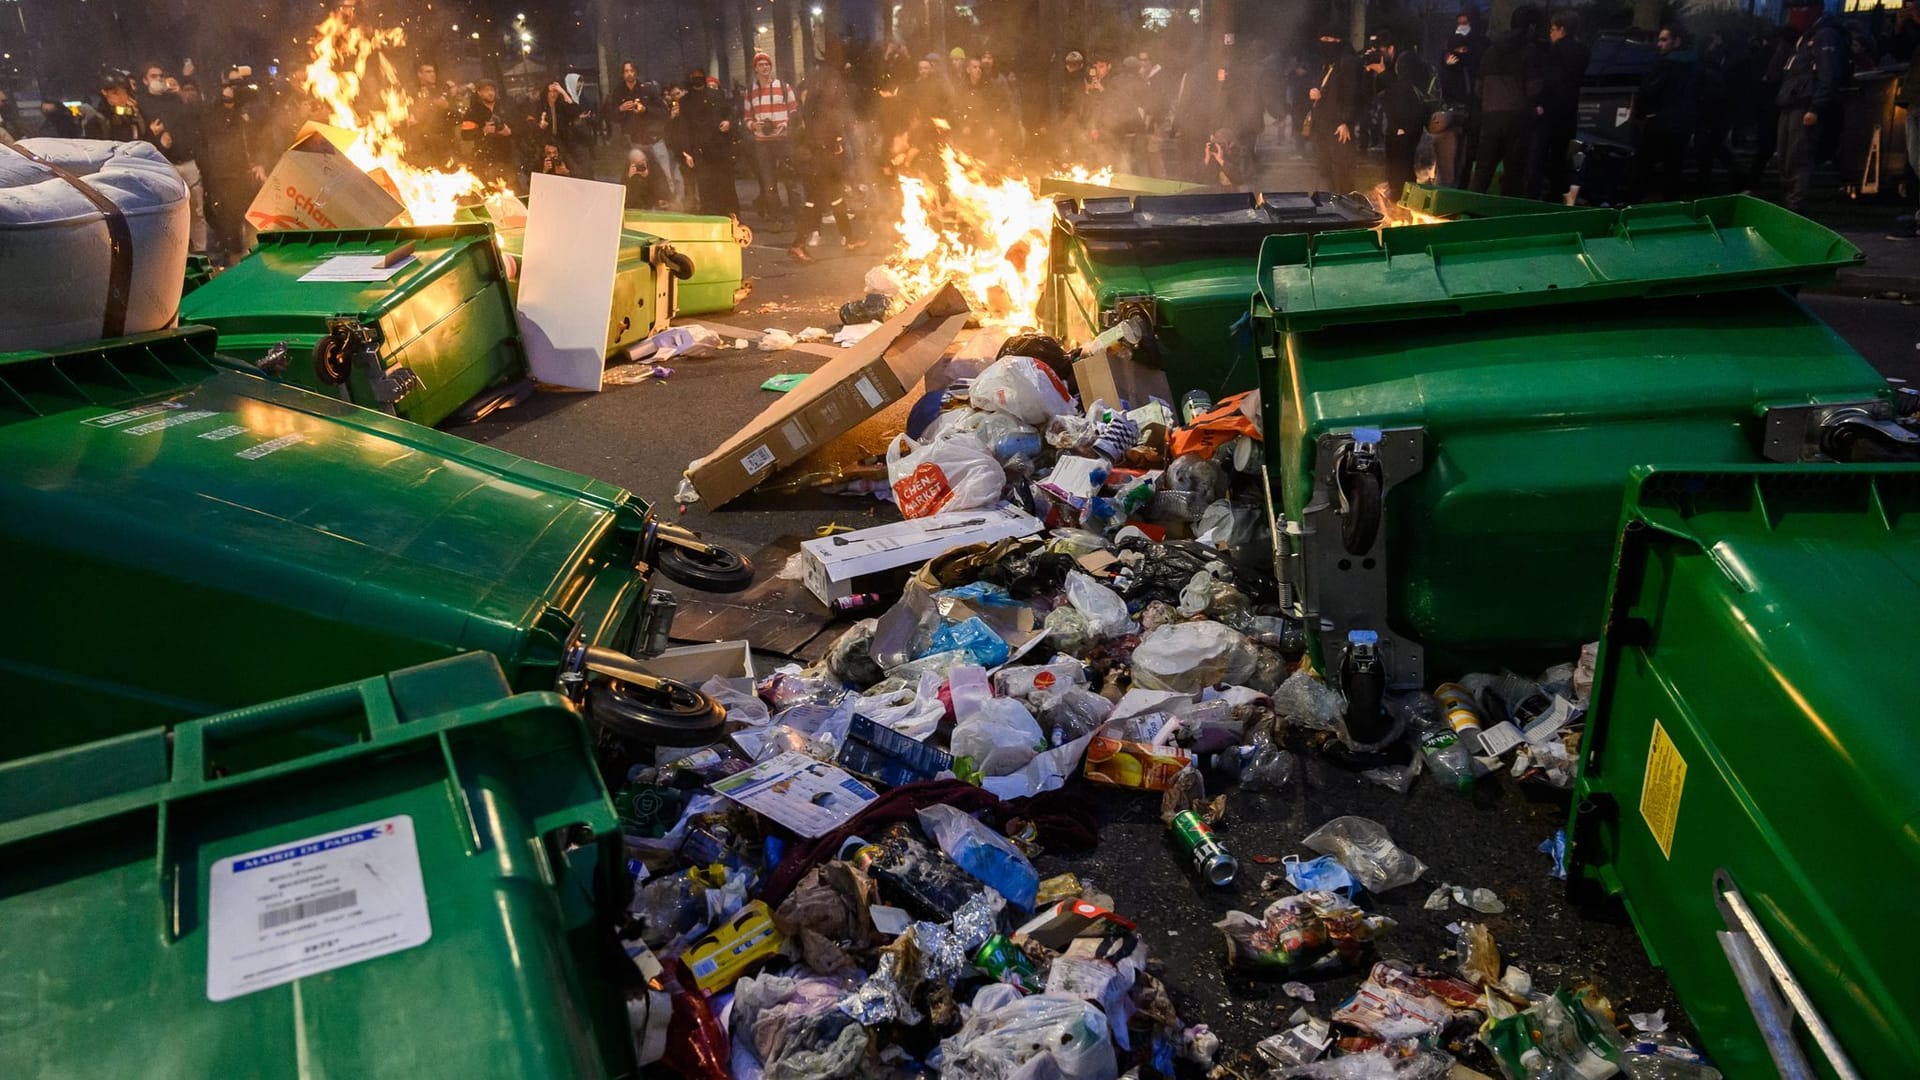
(300, 908)
(124, 415)
(271, 446)
(1660, 791)
(166, 422)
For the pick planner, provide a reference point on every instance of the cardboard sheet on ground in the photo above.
(806, 795)
(858, 383)
(566, 278)
(316, 186)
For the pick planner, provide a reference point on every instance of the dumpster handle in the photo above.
(1741, 921)
(192, 741)
(1359, 484)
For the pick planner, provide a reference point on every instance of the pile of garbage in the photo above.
(847, 883)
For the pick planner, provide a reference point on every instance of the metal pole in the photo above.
(1776, 1029)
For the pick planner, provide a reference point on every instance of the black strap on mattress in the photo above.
(113, 322)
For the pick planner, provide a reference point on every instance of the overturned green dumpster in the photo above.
(415, 321)
(1746, 777)
(201, 537)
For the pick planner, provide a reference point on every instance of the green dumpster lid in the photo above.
(1733, 242)
(267, 285)
(395, 836)
(169, 486)
(1453, 203)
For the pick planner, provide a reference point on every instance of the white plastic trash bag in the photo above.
(945, 474)
(1191, 656)
(1005, 1031)
(1024, 387)
(1106, 612)
(1000, 735)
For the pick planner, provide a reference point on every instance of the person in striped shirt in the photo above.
(770, 108)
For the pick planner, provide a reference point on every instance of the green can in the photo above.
(1002, 960)
(1209, 855)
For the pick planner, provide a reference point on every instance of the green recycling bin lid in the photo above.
(1728, 243)
(300, 278)
(227, 539)
(390, 878)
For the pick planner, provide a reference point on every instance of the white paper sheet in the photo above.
(357, 268)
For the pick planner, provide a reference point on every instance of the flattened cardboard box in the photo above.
(868, 377)
(316, 186)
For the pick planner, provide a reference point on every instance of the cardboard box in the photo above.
(868, 377)
(1103, 377)
(316, 186)
(695, 664)
(837, 566)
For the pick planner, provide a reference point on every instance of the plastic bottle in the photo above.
(1462, 713)
(1447, 757)
(1662, 1067)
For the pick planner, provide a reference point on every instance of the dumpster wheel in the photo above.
(714, 570)
(673, 714)
(680, 264)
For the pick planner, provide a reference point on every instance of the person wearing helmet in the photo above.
(117, 118)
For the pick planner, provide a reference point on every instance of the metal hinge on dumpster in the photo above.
(351, 344)
(1341, 585)
(1854, 431)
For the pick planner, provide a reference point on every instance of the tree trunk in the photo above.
(785, 66)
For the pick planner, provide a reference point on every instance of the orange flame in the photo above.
(987, 232)
(1394, 214)
(341, 56)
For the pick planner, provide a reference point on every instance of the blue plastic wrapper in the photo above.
(1325, 873)
(975, 638)
(1556, 846)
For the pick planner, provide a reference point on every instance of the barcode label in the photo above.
(308, 909)
(312, 904)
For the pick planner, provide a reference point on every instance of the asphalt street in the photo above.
(643, 436)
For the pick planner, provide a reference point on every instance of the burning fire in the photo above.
(341, 55)
(1393, 214)
(987, 233)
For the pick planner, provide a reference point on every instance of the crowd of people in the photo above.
(1505, 110)
(1490, 110)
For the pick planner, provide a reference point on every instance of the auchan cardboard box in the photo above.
(874, 373)
(316, 186)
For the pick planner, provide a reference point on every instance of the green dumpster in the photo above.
(1185, 262)
(714, 245)
(419, 342)
(393, 878)
(1114, 184)
(190, 537)
(645, 294)
(1456, 203)
(1749, 752)
(1451, 409)
(199, 271)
